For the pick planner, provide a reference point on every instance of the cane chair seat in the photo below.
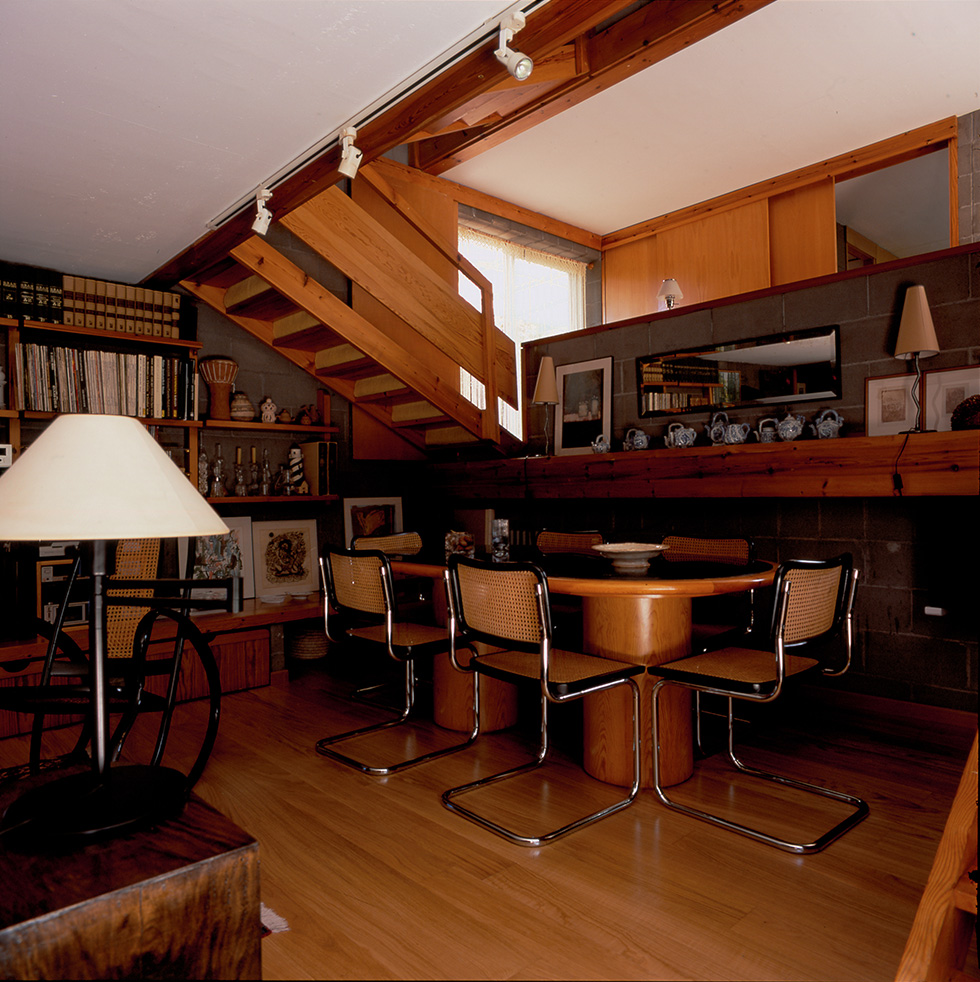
(361, 611)
(810, 630)
(500, 614)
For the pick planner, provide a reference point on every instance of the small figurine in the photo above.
(268, 409)
(297, 479)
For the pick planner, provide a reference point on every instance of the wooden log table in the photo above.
(179, 900)
(645, 621)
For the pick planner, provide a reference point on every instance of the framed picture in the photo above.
(888, 404)
(285, 557)
(219, 556)
(371, 516)
(945, 389)
(584, 405)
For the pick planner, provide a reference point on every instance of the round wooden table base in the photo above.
(453, 700)
(643, 631)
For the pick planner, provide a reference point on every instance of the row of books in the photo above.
(655, 372)
(659, 401)
(49, 297)
(74, 380)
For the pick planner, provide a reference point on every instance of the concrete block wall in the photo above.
(968, 166)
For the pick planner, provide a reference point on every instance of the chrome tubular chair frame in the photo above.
(523, 652)
(758, 689)
(358, 586)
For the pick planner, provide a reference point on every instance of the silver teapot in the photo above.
(600, 444)
(679, 435)
(827, 424)
(790, 427)
(635, 440)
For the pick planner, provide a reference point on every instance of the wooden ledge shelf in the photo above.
(850, 467)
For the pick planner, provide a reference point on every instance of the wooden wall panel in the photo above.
(803, 233)
(712, 257)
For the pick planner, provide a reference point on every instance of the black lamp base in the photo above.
(79, 808)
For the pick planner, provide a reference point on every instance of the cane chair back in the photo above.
(505, 606)
(687, 549)
(812, 611)
(398, 544)
(136, 559)
(359, 584)
(550, 543)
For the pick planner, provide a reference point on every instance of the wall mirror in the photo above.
(780, 368)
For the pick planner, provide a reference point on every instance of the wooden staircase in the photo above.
(396, 349)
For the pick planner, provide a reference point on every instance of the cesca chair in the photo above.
(550, 543)
(811, 620)
(413, 593)
(361, 610)
(505, 606)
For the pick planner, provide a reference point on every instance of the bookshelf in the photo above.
(666, 386)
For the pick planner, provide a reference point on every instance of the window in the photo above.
(535, 295)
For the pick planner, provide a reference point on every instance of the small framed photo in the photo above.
(584, 405)
(371, 516)
(945, 389)
(220, 556)
(888, 405)
(285, 558)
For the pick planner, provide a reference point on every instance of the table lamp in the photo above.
(916, 339)
(546, 394)
(96, 478)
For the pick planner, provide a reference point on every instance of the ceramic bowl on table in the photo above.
(629, 558)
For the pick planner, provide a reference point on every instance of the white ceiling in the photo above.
(128, 125)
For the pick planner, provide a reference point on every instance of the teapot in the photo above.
(767, 430)
(716, 428)
(790, 427)
(827, 424)
(679, 435)
(600, 444)
(736, 432)
(635, 440)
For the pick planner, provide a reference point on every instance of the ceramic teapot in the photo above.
(767, 430)
(600, 444)
(737, 433)
(827, 424)
(679, 435)
(716, 428)
(635, 440)
(790, 427)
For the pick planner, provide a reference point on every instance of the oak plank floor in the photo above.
(377, 880)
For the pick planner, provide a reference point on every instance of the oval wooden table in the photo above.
(646, 621)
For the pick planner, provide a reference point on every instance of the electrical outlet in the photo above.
(935, 611)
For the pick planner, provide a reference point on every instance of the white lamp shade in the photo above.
(916, 334)
(90, 476)
(546, 386)
(671, 289)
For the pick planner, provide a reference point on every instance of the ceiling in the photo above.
(131, 124)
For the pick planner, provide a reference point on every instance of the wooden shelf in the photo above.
(271, 499)
(114, 337)
(928, 463)
(237, 424)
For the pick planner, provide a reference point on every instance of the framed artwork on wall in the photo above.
(285, 558)
(945, 389)
(584, 405)
(219, 556)
(371, 516)
(888, 405)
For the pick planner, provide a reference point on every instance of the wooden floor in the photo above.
(377, 880)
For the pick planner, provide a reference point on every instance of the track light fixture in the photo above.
(262, 214)
(350, 156)
(517, 63)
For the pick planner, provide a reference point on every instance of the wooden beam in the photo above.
(644, 37)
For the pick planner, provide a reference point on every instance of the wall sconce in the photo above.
(262, 214)
(546, 394)
(670, 292)
(516, 62)
(350, 156)
(916, 339)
